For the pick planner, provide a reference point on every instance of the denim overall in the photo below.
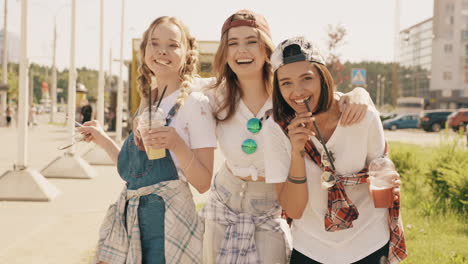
(138, 171)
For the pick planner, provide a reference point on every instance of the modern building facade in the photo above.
(416, 59)
(434, 57)
(449, 74)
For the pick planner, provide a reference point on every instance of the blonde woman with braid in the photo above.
(154, 220)
(243, 221)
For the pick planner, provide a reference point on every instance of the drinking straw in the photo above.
(159, 102)
(330, 158)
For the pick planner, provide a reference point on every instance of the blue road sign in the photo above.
(358, 76)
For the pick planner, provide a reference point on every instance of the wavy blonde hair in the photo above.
(225, 76)
(188, 70)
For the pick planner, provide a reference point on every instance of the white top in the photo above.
(354, 147)
(193, 122)
(233, 132)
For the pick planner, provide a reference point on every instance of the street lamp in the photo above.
(54, 70)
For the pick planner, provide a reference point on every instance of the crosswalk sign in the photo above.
(358, 76)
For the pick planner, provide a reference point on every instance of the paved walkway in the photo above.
(64, 230)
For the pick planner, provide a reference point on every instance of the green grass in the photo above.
(435, 232)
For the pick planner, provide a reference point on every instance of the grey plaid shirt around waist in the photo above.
(183, 229)
(238, 245)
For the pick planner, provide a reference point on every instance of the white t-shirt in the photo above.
(233, 132)
(193, 122)
(354, 147)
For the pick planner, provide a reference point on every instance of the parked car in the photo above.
(458, 119)
(433, 120)
(402, 121)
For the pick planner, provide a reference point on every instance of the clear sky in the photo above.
(370, 24)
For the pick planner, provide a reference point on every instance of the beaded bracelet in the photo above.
(297, 181)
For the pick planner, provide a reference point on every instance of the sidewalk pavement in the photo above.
(64, 230)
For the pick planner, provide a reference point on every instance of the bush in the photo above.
(438, 175)
(449, 176)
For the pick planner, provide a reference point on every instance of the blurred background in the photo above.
(68, 60)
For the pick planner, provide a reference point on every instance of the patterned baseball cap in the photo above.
(294, 50)
(246, 18)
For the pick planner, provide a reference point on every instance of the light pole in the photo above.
(71, 165)
(3, 94)
(96, 155)
(119, 114)
(23, 183)
(100, 101)
(377, 96)
(53, 90)
(382, 90)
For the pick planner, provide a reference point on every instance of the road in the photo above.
(421, 137)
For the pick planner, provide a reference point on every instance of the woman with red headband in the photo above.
(243, 221)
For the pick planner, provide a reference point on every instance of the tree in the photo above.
(336, 35)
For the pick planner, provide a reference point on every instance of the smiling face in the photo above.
(245, 54)
(165, 51)
(300, 81)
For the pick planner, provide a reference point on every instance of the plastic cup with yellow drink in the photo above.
(147, 121)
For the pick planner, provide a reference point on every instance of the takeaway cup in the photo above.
(381, 176)
(147, 122)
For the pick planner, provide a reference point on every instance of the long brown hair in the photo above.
(188, 70)
(227, 79)
(283, 111)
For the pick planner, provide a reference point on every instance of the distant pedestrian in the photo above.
(86, 111)
(32, 116)
(8, 116)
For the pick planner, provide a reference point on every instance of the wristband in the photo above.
(297, 181)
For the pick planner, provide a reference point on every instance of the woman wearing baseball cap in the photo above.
(243, 221)
(320, 167)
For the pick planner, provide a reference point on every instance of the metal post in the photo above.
(23, 108)
(119, 113)
(396, 66)
(72, 79)
(100, 100)
(377, 97)
(54, 78)
(3, 95)
(382, 91)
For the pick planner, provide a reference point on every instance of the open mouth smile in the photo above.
(244, 61)
(301, 101)
(162, 62)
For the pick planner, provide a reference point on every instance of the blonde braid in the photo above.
(189, 71)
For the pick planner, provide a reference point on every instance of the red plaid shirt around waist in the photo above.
(341, 212)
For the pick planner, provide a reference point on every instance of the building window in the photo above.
(447, 76)
(450, 7)
(464, 35)
(448, 48)
(450, 34)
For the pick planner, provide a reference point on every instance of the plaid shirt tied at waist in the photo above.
(238, 245)
(341, 212)
(119, 240)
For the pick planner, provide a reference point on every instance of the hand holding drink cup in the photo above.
(147, 122)
(383, 179)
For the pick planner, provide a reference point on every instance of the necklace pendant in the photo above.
(328, 180)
